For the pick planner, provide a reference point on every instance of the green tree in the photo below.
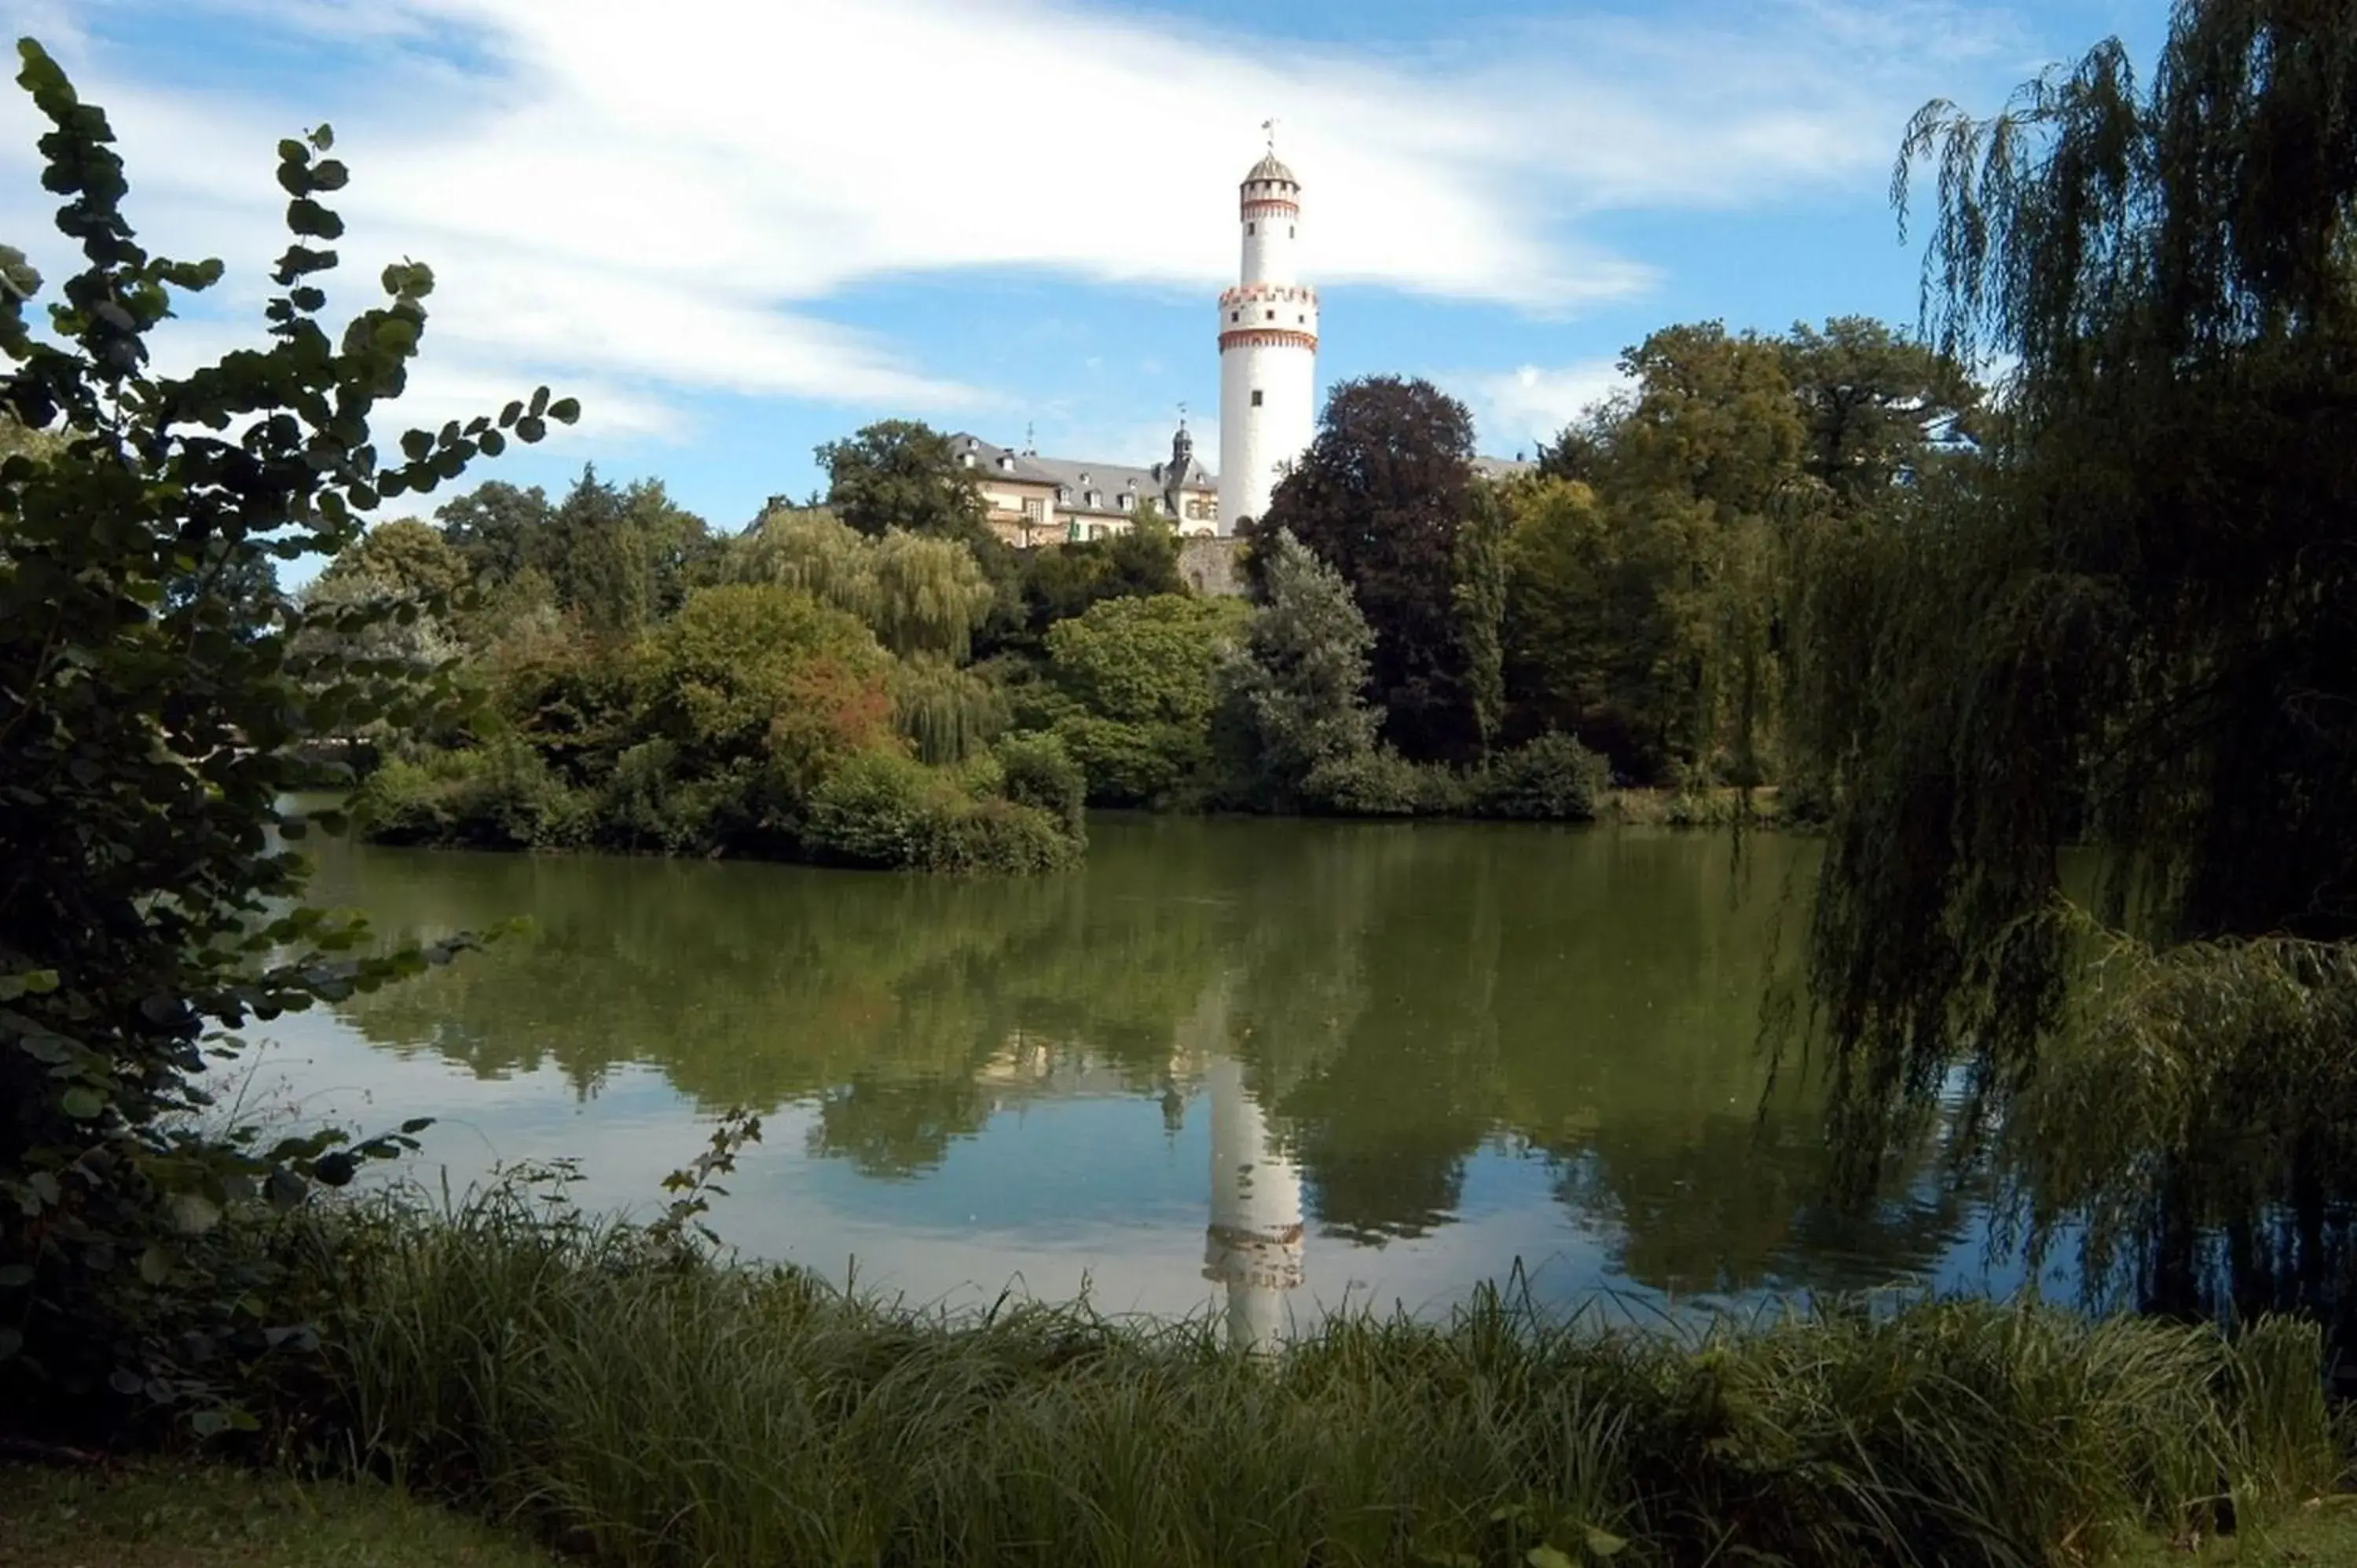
(1134, 683)
(1478, 597)
(1296, 695)
(900, 473)
(765, 689)
(1381, 496)
(1877, 406)
(498, 528)
(410, 559)
(148, 741)
(1585, 639)
(594, 557)
(919, 595)
(2138, 630)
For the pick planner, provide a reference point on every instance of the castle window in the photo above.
(1235, 316)
(1255, 397)
(1252, 228)
(1271, 316)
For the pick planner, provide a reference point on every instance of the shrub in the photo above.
(1552, 778)
(872, 810)
(886, 810)
(1382, 783)
(500, 796)
(996, 837)
(1040, 773)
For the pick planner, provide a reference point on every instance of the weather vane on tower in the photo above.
(1269, 128)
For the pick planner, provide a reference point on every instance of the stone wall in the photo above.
(1214, 565)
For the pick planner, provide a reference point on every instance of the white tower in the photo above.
(1268, 349)
(1253, 1246)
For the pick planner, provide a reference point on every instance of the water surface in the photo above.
(1253, 1067)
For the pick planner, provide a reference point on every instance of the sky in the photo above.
(737, 228)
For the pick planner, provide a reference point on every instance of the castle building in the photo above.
(1060, 500)
(1268, 349)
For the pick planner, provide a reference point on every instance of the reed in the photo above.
(646, 1406)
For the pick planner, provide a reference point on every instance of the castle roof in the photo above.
(1269, 167)
(1077, 480)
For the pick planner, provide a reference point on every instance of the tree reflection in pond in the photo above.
(1410, 1014)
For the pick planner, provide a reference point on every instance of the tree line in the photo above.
(1419, 639)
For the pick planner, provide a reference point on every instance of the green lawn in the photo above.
(157, 1515)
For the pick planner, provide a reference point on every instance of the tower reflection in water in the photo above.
(1253, 1243)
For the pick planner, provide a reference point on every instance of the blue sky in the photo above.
(739, 228)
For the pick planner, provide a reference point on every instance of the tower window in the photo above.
(1235, 316)
(1288, 231)
(1271, 316)
(1252, 228)
(1255, 397)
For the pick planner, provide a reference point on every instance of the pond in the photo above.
(1257, 1069)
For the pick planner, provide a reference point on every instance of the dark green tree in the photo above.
(900, 473)
(1876, 405)
(1381, 496)
(497, 527)
(147, 742)
(2138, 630)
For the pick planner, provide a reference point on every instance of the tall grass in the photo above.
(652, 1407)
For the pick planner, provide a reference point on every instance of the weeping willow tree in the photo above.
(2134, 630)
(948, 713)
(918, 595)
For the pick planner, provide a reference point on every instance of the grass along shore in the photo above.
(637, 1406)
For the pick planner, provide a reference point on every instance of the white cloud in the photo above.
(1519, 409)
(660, 201)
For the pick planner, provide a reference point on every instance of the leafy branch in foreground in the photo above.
(155, 700)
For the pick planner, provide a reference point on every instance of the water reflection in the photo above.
(1426, 1051)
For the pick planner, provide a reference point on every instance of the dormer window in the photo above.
(1095, 500)
(965, 459)
(1128, 502)
(1005, 463)
(1063, 494)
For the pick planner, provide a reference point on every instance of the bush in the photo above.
(1552, 779)
(886, 810)
(872, 810)
(994, 837)
(1040, 772)
(1382, 783)
(500, 796)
